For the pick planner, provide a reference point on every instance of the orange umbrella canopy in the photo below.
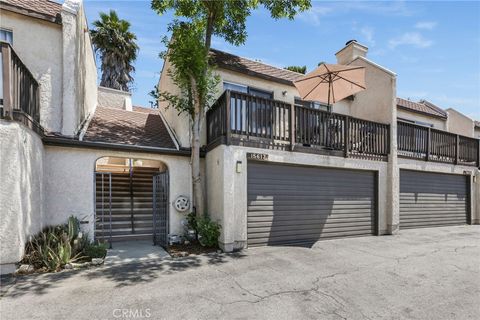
(330, 83)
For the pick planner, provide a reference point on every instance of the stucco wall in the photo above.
(374, 103)
(227, 189)
(477, 133)
(38, 43)
(179, 123)
(413, 116)
(79, 70)
(111, 98)
(69, 189)
(459, 123)
(21, 189)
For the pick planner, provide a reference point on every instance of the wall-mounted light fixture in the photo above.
(238, 167)
(284, 93)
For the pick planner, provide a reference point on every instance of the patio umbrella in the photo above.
(331, 83)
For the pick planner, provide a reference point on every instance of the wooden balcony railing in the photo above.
(424, 143)
(243, 119)
(20, 93)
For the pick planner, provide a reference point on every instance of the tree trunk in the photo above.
(198, 194)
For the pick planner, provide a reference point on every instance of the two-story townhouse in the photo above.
(283, 171)
(278, 170)
(69, 147)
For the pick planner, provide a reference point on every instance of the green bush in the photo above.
(56, 246)
(98, 250)
(208, 231)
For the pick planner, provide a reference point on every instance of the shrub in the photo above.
(56, 246)
(98, 250)
(208, 232)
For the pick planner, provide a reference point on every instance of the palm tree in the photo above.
(118, 49)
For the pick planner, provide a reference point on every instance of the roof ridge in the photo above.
(260, 62)
(118, 109)
(432, 106)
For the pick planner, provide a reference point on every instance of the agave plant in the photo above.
(54, 247)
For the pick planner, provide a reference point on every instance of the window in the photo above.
(6, 36)
(260, 93)
(235, 87)
(420, 123)
(257, 110)
(311, 104)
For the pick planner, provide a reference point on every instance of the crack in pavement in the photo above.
(260, 298)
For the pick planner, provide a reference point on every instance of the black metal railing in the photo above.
(20, 91)
(425, 143)
(240, 118)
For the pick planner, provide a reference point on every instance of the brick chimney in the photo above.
(352, 50)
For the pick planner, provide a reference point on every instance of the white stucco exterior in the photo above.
(69, 190)
(21, 191)
(227, 189)
(41, 52)
(459, 123)
(61, 58)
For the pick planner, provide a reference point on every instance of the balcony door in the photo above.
(258, 110)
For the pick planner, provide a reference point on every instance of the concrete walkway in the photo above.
(419, 274)
(134, 252)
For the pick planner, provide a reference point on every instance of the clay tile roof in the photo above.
(140, 128)
(254, 68)
(43, 9)
(422, 106)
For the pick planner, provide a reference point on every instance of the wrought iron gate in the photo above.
(160, 209)
(103, 206)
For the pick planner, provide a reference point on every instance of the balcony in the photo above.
(242, 119)
(19, 92)
(424, 143)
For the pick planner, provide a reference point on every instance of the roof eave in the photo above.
(422, 112)
(30, 13)
(254, 74)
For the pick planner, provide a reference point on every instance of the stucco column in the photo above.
(70, 89)
(476, 198)
(393, 193)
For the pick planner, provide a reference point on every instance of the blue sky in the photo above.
(434, 47)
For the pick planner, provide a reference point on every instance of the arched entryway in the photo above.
(131, 200)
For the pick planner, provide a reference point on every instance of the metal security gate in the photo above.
(124, 199)
(433, 199)
(103, 206)
(160, 209)
(290, 205)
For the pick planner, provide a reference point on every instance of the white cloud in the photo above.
(426, 25)
(368, 33)
(315, 14)
(410, 38)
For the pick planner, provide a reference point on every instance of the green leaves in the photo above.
(299, 69)
(117, 47)
(227, 18)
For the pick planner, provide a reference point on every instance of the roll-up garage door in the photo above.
(432, 199)
(290, 205)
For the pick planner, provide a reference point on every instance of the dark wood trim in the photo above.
(6, 76)
(72, 143)
(228, 117)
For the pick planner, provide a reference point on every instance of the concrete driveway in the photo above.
(419, 274)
